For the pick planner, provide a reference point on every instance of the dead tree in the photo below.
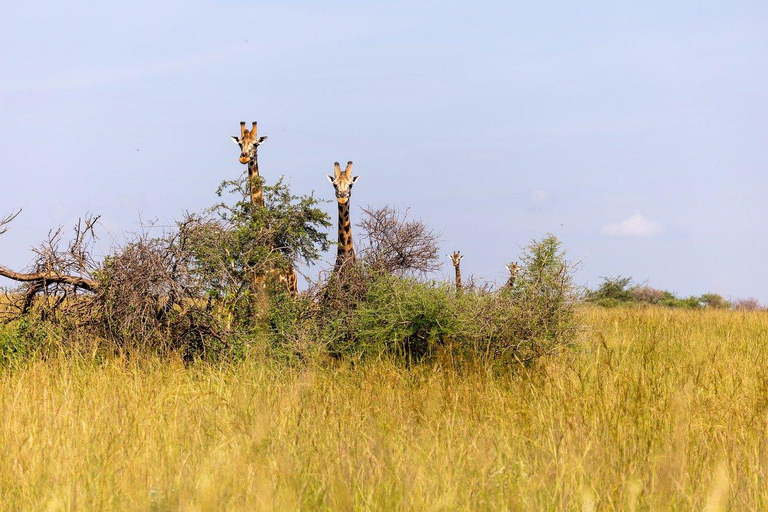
(394, 244)
(60, 270)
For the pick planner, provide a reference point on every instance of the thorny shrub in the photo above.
(191, 290)
(413, 320)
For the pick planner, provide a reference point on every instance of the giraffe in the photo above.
(342, 183)
(456, 260)
(249, 142)
(513, 268)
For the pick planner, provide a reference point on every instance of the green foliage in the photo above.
(612, 291)
(16, 342)
(291, 225)
(211, 289)
(621, 292)
(240, 247)
(24, 338)
(715, 301)
(398, 317)
(610, 302)
(403, 317)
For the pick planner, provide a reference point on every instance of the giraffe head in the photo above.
(342, 182)
(248, 142)
(513, 268)
(456, 258)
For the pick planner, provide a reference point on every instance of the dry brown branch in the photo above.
(45, 278)
(7, 220)
(60, 270)
(748, 304)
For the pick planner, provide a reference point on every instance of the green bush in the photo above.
(610, 302)
(403, 317)
(621, 292)
(545, 300)
(412, 321)
(612, 291)
(714, 300)
(22, 339)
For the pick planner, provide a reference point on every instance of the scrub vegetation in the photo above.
(162, 377)
(210, 289)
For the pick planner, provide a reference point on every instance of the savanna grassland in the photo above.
(652, 409)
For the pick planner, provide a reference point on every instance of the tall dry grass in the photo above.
(656, 409)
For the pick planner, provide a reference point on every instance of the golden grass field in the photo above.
(654, 409)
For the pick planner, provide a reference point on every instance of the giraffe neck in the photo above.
(511, 281)
(458, 278)
(254, 181)
(345, 251)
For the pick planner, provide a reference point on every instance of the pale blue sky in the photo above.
(635, 131)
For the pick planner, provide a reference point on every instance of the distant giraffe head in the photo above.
(456, 258)
(248, 141)
(513, 268)
(342, 182)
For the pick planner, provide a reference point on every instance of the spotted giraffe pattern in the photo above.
(513, 268)
(290, 281)
(342, 183)
(456, 260)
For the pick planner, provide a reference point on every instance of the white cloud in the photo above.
(636, 225)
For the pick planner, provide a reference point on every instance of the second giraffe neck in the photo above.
(254, 182)
(458, 277)
(345, 251)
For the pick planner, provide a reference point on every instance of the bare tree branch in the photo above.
(49, 277)
(397, 245)
(59, 270)
(7, 220)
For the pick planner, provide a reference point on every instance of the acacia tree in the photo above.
(233, 242)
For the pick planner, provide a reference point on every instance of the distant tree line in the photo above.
(623, 292)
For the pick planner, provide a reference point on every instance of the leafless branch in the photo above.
(396, 245)
(60, 269)
(7, 220)
(49, 278)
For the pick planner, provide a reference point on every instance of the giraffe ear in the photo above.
(461, 257)
(262, 139)
(330, 178)
(355, 179)
(236, 140)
